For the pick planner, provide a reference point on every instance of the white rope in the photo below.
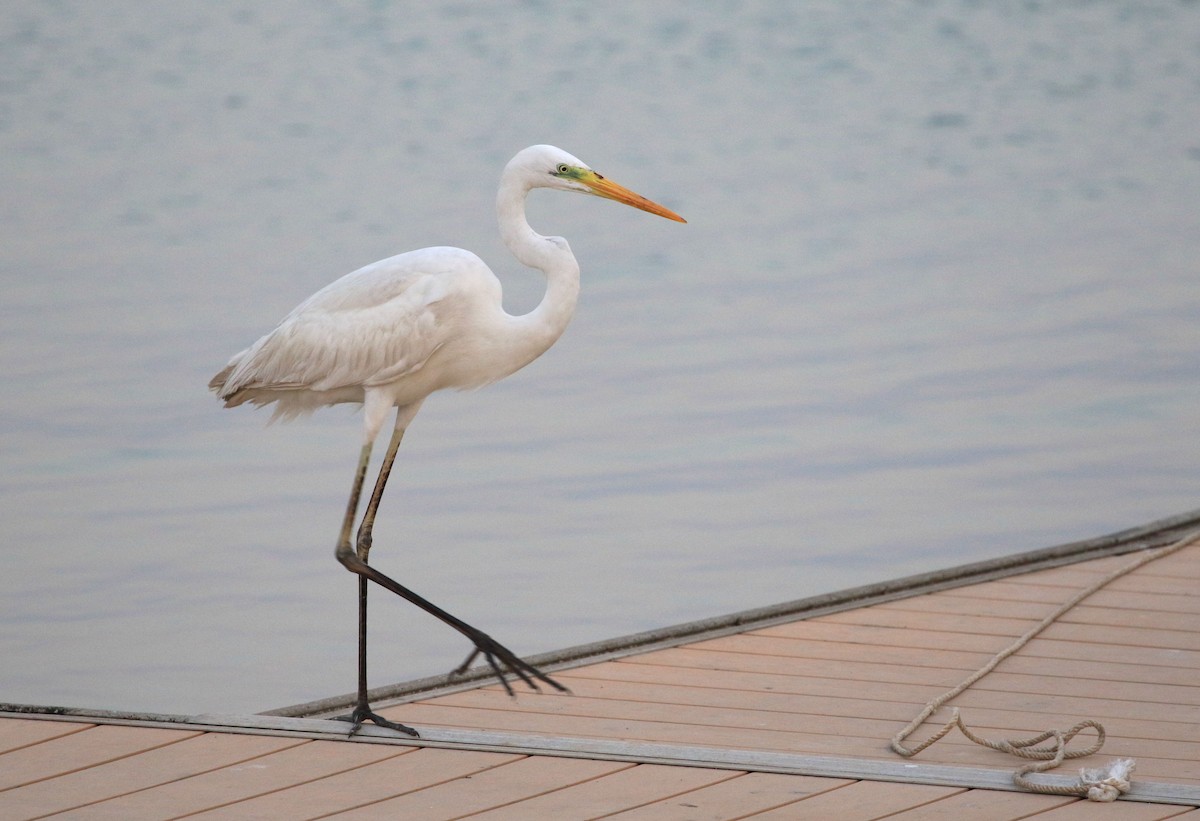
(1096, 785)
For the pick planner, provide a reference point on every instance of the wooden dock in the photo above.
(781, 713)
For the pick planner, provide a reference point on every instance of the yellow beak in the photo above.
(603, 187)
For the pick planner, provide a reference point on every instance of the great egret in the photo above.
(390, 334)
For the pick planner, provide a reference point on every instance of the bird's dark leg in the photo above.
(362, 709)
(498, 657)
(385, 470)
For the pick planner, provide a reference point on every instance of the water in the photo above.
(936, 302)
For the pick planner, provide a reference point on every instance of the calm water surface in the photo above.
(937, 301)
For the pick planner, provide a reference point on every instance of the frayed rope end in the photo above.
(1110, 784)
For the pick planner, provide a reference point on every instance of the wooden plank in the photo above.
(1107, 618)
(1042, 680)
(1155, 757)
(744, 715)
(1103, 668)
(882, 679)
(806, 704)
(734, 798)
(887, 769)
(687, 715)
(1081, 575)
(612, 793)
(160, 764)
(719, 737)
(880, 616)
(495, 787)
(1115, 811)
(23, 732)
(295, 763)
(1078, 577)
(883, 616)
(1177, 699)
(1107, 671)
(1052, 648)
(860, 801)
(1185, 564)
(1087, 612)
(852, 637)
(992, 599)
(696, 723)
(846, 642)
(826, 661)
(883, 637)
(919, 649)
(429, 715)
(1163, 637)
(405, 772)
(1096, 568)
(819, 734)
(985, 805)
(701, 678)
(979, 600)
(87, 748)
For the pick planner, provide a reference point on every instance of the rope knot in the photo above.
(1110, 784)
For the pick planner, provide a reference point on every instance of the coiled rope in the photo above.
(1096, 785)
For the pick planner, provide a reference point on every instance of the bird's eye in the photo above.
(563, 168)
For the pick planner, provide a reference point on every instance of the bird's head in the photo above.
(544, 166)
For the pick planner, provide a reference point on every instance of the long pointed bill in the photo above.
(603, 187)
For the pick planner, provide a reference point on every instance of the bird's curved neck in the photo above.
(550, 255)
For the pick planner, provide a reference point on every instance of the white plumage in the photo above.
(391, 333)
(371, 330)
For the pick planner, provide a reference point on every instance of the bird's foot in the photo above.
(502, 661)
(363, 712)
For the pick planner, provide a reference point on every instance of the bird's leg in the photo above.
(362, 709)
(385, 471)
(498, 657)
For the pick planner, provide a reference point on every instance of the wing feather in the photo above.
(370, 327)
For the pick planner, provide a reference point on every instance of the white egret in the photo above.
(390, 334)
